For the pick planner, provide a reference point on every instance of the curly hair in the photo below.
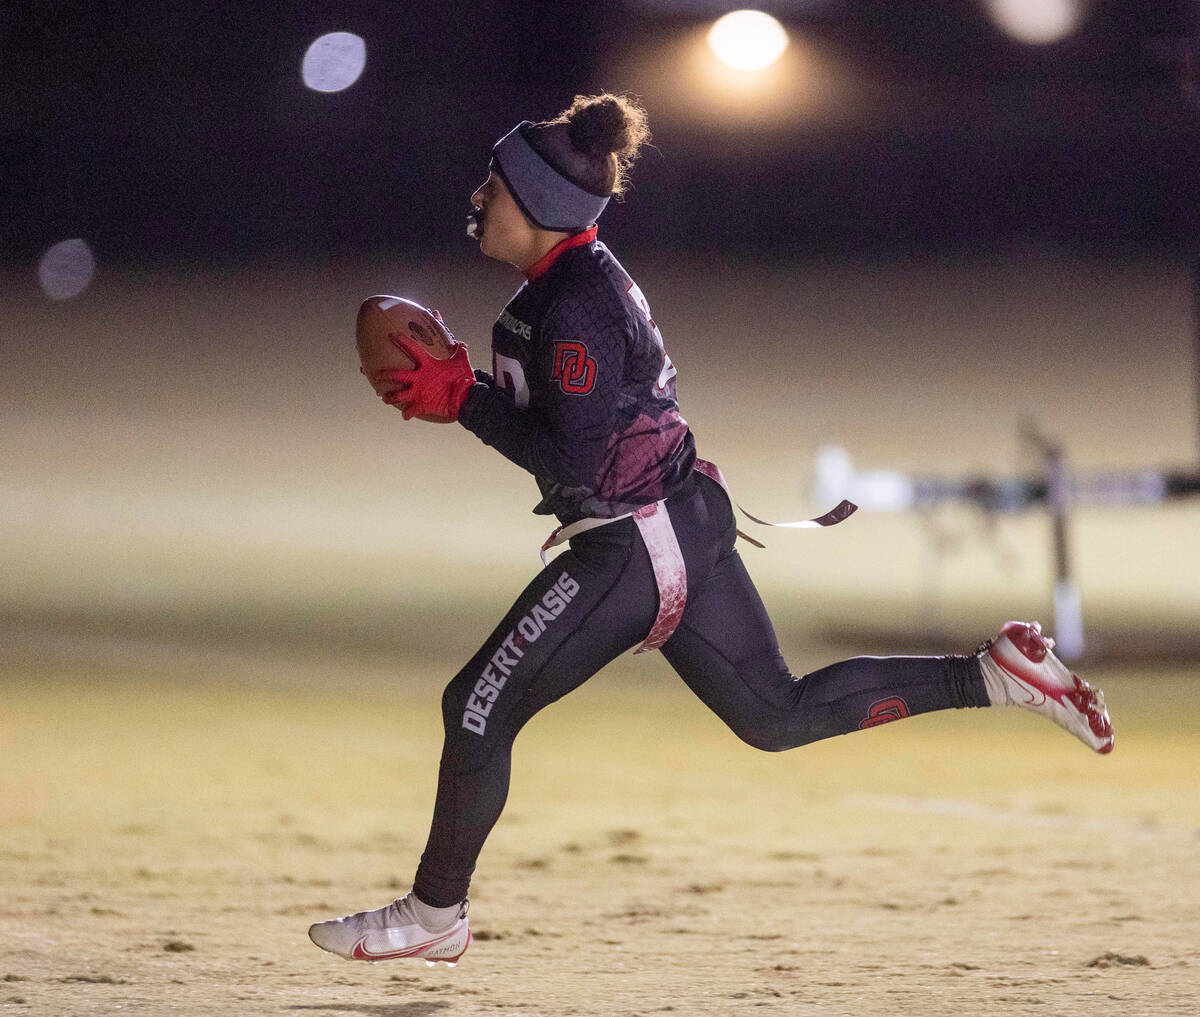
(605, 133)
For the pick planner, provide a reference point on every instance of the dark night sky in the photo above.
(174, 132)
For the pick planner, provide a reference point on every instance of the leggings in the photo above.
(597, 600)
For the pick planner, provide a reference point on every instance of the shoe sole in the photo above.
(1052, 688)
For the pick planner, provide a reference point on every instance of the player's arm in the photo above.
(581, 360)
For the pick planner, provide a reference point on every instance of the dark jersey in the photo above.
(582, 393)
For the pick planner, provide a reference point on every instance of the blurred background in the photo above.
(910, 232)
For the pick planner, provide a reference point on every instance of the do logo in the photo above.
(574, 370)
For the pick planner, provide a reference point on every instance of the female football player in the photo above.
(582, 395)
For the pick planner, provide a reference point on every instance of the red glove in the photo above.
(434, 388)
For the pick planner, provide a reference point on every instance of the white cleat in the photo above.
(392, 932)
(1020, 669)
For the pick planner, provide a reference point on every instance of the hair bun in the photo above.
(599, 125)
(602, 136)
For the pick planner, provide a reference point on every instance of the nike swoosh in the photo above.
(1036, 696)
(360, 951)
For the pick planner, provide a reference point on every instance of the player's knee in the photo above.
(773, 741)
(470, 733)
(766, 736)
(455, 700)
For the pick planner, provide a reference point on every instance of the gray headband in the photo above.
(546, 196)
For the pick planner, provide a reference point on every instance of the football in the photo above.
(382, 320)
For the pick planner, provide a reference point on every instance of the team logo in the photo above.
(574, 370)
(884, 712)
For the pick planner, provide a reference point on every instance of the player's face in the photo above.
(503, 233)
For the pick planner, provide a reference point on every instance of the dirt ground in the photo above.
(166, 843)
(234, 586)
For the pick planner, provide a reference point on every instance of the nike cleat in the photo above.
(1020, 669)
(393, 932)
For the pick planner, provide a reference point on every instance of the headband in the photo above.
(548, 198)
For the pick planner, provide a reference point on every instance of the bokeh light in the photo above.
(1036, 22)
(747, 40)
(334, 62)
(66, 269)
(681, 78)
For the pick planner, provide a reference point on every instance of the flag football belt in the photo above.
(670, 575)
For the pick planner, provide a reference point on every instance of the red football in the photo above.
(382, 319)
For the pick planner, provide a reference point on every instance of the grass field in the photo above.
(234, 587)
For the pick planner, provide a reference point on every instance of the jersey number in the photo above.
(668, 369)
(511, 377)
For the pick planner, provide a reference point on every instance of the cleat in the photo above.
(431, 964)
(391, 933)
(1020, 669)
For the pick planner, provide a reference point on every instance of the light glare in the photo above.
(66, 269)
(1036, 22)
(334, 62)
(747, 40)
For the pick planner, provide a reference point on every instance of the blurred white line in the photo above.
(975, 811)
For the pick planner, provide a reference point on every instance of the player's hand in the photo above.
(434, 387)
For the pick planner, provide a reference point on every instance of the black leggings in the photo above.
(599, 599)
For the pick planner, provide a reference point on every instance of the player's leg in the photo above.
(609, 603)
(592, 603)
(725, 649)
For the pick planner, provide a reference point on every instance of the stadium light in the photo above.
(747, 40)
(679, 75)
(333, 62)
(66, 269)
(1036, 22)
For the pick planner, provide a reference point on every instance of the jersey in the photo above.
(582, 393)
